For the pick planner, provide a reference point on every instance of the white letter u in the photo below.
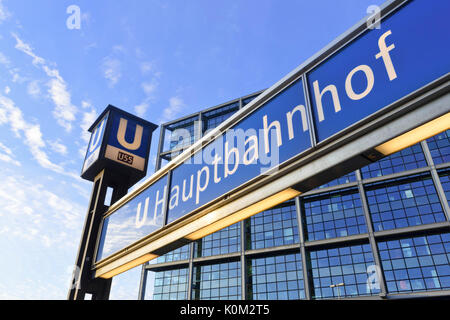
(137, 135)
(140, 222)
(96, 136)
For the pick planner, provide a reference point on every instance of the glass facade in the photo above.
(417, 263)
(223, 241)
(333, 214)
(439, 146)
(404, 202)
(169, 284)
(341, 272)
(407, 159)
(276, 278)
(381, 230)
(219, 281)
(274, 227)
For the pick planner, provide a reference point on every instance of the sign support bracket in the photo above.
(83, 280)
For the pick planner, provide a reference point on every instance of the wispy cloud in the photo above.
(32, 135)
(37, 211)
(4, 13)
(4, 60)
(146, 67)
(7, 155)
(57, 146)
(176, 104)
(88, 119)
(64, 111)
(111, 68)
(149, 88)
(33, 89)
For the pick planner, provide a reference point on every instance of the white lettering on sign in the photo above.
(140, 221)
(331, 88)
(137, 135)
(96, 136)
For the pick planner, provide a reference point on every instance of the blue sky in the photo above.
(157, 59)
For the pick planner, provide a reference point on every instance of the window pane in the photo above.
(223, 241)
(274, 227)
(439, 146)
(218, 281)
(340, 267)
(406, 159)
(429, 271)
(279, 278)
(404, 202)
(335, 214)
(167, 285)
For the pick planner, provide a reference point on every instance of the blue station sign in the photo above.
(359, 81)
(120, 141)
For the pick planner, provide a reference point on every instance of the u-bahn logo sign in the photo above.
(121, 141)
(368, 94)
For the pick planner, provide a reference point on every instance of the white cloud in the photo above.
(7, 90)
(4, 13)
(111, 70)
(146, 67)
(34, 208)
(149, 87)
(86, 104)
(58, 147)
(64, 111)
(27, 49)
(33, 135)
(4, 60)
(140, 109)
(88, 119)
(33, 89)
(174, 108)
(6, 155)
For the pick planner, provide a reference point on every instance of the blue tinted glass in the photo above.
(223, 241)
(445, 182)
(439, 146)
(181, 253)
(429, 271)
(168, 284)
(274, 227)
(350, 266)
(350, 177)
(337, 214)
(219, 281)
(406, 159)
(403, 203)
(279, 279)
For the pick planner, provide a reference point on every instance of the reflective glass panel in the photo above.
(416, 264)
(404, 202)
(333, 214)
(276, 278)
(342, 272)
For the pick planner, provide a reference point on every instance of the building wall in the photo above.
(391, 216)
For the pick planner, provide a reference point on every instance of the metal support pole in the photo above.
(372, 241)
(190, 272)
(302, 238)
(244, 273)
(83, 277)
